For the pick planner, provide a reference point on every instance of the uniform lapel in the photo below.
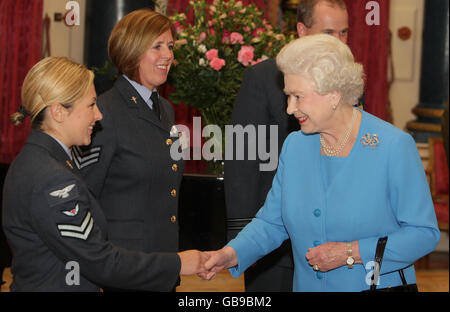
(138, 105)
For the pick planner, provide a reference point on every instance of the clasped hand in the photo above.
(207, 264)
(328, 256)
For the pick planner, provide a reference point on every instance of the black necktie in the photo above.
(155, 99)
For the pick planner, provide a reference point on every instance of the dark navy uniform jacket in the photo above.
(129, 169)
(51, 220)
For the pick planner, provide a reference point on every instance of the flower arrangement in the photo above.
(212, 53)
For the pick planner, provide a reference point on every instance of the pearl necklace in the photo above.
(331, 151)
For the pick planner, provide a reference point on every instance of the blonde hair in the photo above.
(132, 36)
(51, 80)
(328, 62)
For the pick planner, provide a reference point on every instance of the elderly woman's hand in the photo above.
(331, 255)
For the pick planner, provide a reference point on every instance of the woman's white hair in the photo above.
(328, 62)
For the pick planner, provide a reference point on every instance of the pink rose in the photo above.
(245, 55)
(236, 37)
(211, 31)
(202, 37)
(212, 54)
(178, 27)
(255, 32)
(217, 63)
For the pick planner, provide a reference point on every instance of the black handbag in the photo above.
(405, 287)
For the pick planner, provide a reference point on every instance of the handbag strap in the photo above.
(402, 276)
(381, 245)
(379, 253)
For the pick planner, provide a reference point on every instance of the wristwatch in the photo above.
(350, 259)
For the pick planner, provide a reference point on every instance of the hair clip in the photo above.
(23, 111)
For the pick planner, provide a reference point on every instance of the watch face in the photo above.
(350, 260)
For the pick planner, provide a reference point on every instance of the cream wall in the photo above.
(406, 58)
(65, 40)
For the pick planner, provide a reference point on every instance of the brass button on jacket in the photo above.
(175, 167)
(173, 219)
(173, 193)
(169, 142)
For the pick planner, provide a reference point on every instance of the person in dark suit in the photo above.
(128, 166)
(261, 101)
(54, 225)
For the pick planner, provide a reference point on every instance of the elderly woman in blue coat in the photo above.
(345, 180)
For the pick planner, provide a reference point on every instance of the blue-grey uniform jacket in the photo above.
(129, 169)
(56, 229)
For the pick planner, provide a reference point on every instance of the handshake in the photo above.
(208, 263)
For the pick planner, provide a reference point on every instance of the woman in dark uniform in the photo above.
(55, 227)
(128, 165)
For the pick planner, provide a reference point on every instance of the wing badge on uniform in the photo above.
(63, 193)
(78, 231)
(73, 212)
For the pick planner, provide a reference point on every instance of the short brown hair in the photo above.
(305, 10)
(132, 36)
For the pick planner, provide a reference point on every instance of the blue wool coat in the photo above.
(380, 190)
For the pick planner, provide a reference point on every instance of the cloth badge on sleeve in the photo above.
(62, 194)
(73, 212)
(81, 231)
(85, 157)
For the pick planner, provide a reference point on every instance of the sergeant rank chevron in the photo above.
(81, 232)
(85, 156)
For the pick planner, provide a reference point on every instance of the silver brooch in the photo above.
(371, 140)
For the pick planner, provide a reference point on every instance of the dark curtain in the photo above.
(370, 46)
(20, 49)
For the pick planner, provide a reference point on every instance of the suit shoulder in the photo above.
(267, 76)
(266, 67)
(385, 130)
(296, 138)
(38, 167)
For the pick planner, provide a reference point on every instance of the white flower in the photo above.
(202, 62)
(264, 57)
(202, 48)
